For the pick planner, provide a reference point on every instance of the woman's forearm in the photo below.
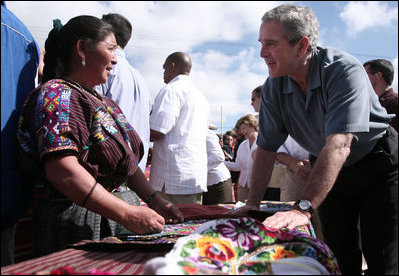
(75, 182)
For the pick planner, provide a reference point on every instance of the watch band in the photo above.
(304, 205)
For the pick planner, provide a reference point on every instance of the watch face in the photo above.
(304, 204)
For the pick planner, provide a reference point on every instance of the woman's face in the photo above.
(228, 140)
(101, 60)
(246, 130)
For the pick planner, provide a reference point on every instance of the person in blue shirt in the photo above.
(127, 86)
(322, 98)
(19, 62)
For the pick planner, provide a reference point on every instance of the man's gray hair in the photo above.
(297, 23)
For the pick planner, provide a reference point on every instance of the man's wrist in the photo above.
(304, 206)
(306, 213)
(150, 198)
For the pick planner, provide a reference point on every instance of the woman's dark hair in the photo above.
(62, 39)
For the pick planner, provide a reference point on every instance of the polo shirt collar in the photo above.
(314, 72)
(314, 75)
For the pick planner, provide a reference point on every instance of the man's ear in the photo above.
(303, 44)
(172, 66)
(379, 75)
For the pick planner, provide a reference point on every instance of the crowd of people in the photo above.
(324, 136)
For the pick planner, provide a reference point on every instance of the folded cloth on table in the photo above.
(245, 246)
(192, 211)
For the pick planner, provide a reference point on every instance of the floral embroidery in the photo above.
(217, 249)
(245, 246)
(281, 253)
(240, 232)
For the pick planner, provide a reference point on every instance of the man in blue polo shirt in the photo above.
(323, 98)
(19, 61)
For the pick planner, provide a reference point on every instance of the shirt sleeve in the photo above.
(165, 111)
(348, 103)
(241, 157)
(53, 111)
(214, 151)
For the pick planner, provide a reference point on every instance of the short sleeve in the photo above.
(348, 100)
(166, 110)
(53, 125)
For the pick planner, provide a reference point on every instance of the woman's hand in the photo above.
(166, 209)
(143, 220)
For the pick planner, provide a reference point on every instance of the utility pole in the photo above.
(221, 120)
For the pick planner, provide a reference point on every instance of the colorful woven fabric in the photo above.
(169, 234)
(60, 115)
(197, 211)
(123, 262)
(192, 211)
(147, 172)
(194, 215)
(245, 246)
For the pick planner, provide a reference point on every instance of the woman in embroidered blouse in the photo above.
(80, 145)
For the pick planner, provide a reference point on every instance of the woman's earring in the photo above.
(83, 62)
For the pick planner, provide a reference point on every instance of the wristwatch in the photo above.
(304, 205)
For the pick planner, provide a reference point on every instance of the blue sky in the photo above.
(221, 38)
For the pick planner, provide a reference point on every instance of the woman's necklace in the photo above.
(91, 92)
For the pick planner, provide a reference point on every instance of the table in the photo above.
(122, 259)
(127, 262)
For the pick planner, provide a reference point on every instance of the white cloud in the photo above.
(225, 67)
(160, 28)
(227, 81)
(359, 16)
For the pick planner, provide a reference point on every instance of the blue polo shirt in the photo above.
(19, 60)
(340, 99)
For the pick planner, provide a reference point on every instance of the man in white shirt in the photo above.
(179, 126)
(127, 86)
(219, 178)
(296, 169)
(273, 190)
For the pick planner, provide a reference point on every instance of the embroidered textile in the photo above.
(244, 246)
(169, 234)
(60, 115)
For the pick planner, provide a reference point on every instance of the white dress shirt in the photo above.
(179, 159)
(243, 162)
(126, 86)
(293, 149)
(217, 170)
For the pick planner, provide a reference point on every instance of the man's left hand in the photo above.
(287, 219)
(168, 210)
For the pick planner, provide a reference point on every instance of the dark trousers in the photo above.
(366, 195)
(218, 193)
(272, 194)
